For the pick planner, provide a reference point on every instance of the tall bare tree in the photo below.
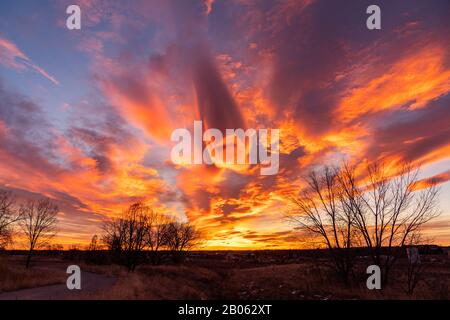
(38, 223)
(380, 211)
(323, 210)
(391, 211)
(181, 237)
(8, 216)
(127, 235)
(158, 228)
(114, 234)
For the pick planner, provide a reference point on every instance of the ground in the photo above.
(213, 276)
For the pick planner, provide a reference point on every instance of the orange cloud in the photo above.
(415, 79)
(436, 179)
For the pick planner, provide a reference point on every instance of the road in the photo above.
(90, 283)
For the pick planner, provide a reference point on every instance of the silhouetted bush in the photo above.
(98, 257)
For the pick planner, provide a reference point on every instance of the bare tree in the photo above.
(181, 237)
(390, 212)
(38, 224)
(323, 210)
(380, 211)
(127, 235)
(114, 234)
(93, 246)
(8, 216)
(157, 238)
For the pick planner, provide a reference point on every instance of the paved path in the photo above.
(90, 283)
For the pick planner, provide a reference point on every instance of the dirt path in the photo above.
(90, 283)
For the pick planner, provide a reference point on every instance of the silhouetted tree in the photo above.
(158, 226)
(127, 236)
(8, 216)
(390, 211)
(180, 237)
(323, 210)
(38, 223)
(381, 211)
(95, 254)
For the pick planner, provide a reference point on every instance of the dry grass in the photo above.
(113, 270)
(14, 276)
(305, 281)
(311, 281)
(161, 283)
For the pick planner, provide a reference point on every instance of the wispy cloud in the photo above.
(12, 57)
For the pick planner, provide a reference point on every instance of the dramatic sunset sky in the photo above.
(86, 115)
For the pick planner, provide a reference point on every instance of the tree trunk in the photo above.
(30, 252)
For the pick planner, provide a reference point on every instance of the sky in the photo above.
(86, 115)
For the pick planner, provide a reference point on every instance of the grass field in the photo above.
(206, 278)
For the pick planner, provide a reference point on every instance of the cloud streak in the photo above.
(12, 57)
